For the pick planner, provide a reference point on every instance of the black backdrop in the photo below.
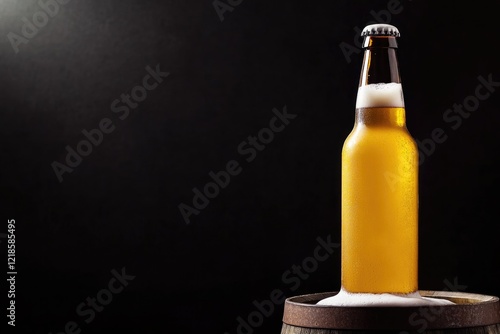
(119, 207)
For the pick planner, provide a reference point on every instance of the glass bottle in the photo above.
(380, 178)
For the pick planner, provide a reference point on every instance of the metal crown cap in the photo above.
(380, 29)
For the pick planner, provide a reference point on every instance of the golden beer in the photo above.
(380, 204)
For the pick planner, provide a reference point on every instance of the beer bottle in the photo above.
(380, 178)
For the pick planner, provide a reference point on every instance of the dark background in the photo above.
(119, 207)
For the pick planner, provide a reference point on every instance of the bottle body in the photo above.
(380, 204)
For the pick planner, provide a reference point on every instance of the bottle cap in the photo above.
(380, 29)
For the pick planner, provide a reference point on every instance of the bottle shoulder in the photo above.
(379, 138)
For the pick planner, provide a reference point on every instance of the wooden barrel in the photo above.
(471, 314)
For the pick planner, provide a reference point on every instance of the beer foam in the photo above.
(380, 95)
(344, 298)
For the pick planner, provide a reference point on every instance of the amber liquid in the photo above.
(380, 204)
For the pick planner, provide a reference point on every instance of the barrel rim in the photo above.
(472, 310)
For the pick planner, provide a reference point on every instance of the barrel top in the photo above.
(470, 310)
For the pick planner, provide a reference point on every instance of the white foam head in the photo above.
(380, 95)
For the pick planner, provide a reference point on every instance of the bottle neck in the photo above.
(380, 94)
(380, 64)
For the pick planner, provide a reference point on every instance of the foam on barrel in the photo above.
(344, 298)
